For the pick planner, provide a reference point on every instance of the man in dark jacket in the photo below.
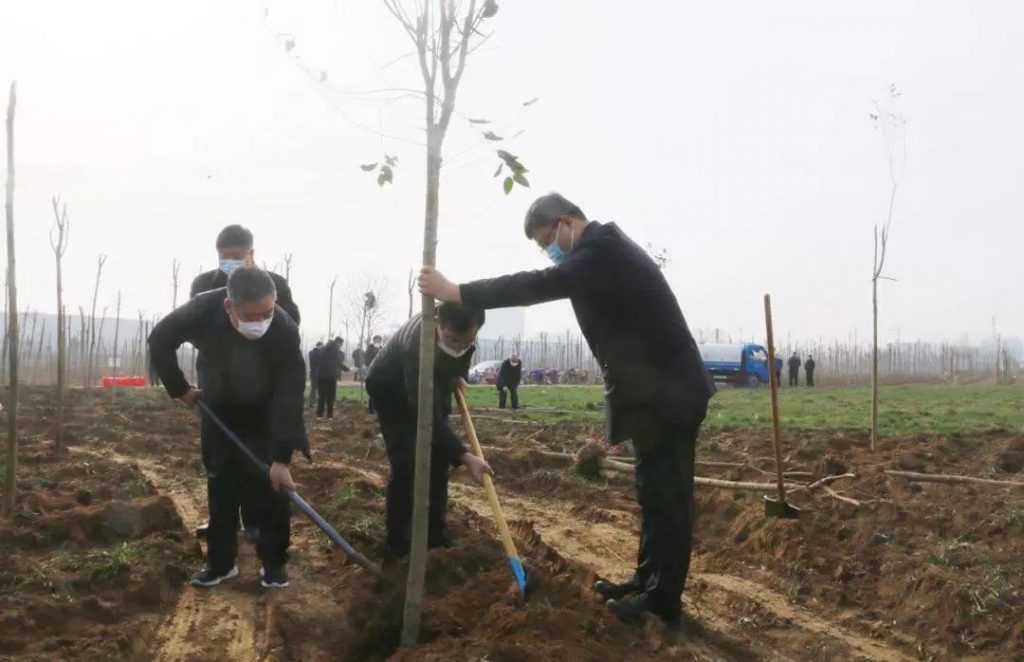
(372, 350)
(314, 372)
(253, 378)
(656, 386)
(794, 370)
(509, 376)
(393, 383)
(332, 361)
(809, 366)
(235, 249)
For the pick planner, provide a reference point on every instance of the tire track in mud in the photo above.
(596, 546)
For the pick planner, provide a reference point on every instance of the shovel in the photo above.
(299, 502)
(776, 507)
(492, 496)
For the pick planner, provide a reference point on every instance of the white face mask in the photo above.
(254, 330)
(228, 266)
(449, 351)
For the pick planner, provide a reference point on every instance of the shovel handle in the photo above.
(774, 384)
(492, 495)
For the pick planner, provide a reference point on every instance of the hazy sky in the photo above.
(733, 134)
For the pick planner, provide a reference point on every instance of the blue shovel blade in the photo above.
(519, 572)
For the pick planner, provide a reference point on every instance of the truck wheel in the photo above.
(753, 381)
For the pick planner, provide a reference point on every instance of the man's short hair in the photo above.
(547, 209)
(250, 285)
(338, 341)
(234, 236)
(460, 317)
(376, 338)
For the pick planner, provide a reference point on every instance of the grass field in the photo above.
(903, 410)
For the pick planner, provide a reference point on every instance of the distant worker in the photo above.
(657, 388)
(393, 383)
(778, 371)
(314, 371)
(253, 378)
(235, 249)
(509, 376)
(332, 361)
(809, 367)
(794, 370)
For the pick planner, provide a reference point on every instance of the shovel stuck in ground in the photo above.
(772, 507)
(492, 496)
(299, 502)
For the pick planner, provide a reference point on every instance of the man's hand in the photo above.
(477, 467)
(433, 283)
(461, 384)
(191, 398)
(281, 477)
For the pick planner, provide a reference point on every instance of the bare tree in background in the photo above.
(411, 287)
(59, 236)
(659, 255)
(330, 310)
(10, 476)
(288, 267)
(175, 271)
(117, 337)
(92, 325)
(887, 119)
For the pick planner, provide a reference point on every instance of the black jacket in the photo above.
(370, 354)
(630, 318)
(212, 280)
(510, 375)
(809, 365)
(255, 386)
(332, 360)
(793, 363)
(314, 361)
(393, 383)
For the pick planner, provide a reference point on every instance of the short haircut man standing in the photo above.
(253, 377)
(656, 386)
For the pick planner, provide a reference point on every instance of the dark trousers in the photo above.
(794, 378)
(502, 395)
(313, 380)
(398, 425)
(232, 485)
(664, 486)
(327, 391)
(810, 378)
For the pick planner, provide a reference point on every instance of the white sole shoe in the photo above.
(231, 574)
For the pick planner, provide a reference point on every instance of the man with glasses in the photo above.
(656, 386)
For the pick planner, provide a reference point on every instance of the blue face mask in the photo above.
(554, 251)
(228, 266)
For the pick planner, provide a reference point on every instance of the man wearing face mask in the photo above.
(254, 377)
(393, 383)
(509, 376)
(234, 250)
(656, 386)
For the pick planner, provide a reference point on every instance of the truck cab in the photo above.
(737, 363)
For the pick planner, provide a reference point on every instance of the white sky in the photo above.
(734, 134)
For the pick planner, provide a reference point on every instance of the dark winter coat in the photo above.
(510, 375)
(212, 280)
(630, 318)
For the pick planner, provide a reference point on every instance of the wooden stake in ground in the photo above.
(10, 477)
(775, 508)
(117, 331)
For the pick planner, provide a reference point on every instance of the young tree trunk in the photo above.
(874, 363)
(117, 332)
(175, 270)
(10, 476)
(330, 310)
(90, 365)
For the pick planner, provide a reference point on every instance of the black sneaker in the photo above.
(274, 577)
(612, 591)
(208, 577)
(631, 608)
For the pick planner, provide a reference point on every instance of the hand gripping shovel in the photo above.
(773, 508)
(492, 496)
(299, 502)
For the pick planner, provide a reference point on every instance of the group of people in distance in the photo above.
(794, 364)
(252, 375)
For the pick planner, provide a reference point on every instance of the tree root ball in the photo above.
(588, 460)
